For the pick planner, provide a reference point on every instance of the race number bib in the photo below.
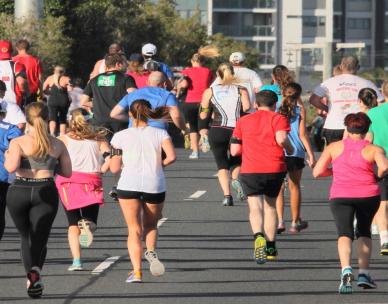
(106, 80)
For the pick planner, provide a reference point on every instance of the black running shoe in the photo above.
(227, 201)
(113, 193)
(272, 253)
(34, 284)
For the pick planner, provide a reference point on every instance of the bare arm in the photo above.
(321, 168)
(381, 162)
(65, 169)
(205, 103)
(130, 90)
(12, 156)
(22, 85)
(96, 68)
(105, 148)
(118, 112)
(246, 104)
(368, 137)
(315, 101)
(305, 139)
(86, 103)
(115, 164)
(177, 118)
(235, 149)
(283, 141)
(168, 148)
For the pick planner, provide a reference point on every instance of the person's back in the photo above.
(226, 104)
(84, 155)
(248, 79)
(199, 80)
(379, 126)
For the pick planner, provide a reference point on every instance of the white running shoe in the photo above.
(156, 267)
(87, 228)
(194, 155)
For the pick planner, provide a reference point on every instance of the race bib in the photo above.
(106, 80)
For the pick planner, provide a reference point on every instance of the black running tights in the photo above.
(33, 207)
(3, 194)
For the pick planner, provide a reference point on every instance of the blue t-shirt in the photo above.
(7, 133)
(276, 89)
(165, 69)
(158, 97)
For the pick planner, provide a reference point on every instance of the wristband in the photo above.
(116, 152)
(204, 110)
(105, 155)
(235, 140)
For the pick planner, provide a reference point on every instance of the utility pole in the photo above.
(28, 8)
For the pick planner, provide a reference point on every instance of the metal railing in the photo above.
(254, 30)
(247, 4)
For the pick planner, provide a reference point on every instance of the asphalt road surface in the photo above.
(207, 250)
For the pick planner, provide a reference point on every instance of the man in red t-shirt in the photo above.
(260, 138)
(13, 74)
(33, 67)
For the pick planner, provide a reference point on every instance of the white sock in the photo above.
(363, 271)
(347, 267)
(383, 237)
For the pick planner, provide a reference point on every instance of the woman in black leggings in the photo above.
(32, 199)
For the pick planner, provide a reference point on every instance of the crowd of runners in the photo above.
(257, 133)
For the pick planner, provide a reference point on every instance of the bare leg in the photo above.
(270, 218)
(62, 129)
(235, 172)
(280, 205)
(295, 194)
(364, 252)
(345, 250)
(152, 214)
(381, 219)
(73, 234)
(224, 180)
(256, 213)
(52, 127)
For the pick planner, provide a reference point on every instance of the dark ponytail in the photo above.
(291, 95)
(368, 97)
(142, 110)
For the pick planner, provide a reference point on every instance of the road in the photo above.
(207, 250)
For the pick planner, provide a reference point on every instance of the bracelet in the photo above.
(204, 110)
(116, 152)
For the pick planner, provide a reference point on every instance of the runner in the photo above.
(157, 96)
(296, 114)
(13, 74)
(139, 149)
(197, 79)
(137, 71)
(56, 86)
(13, 114)
(7, 132)
(367, 99)
(82, 193)
(32, 198)
(100, 66)
(354, 193)
(33, 67)
(227, 101)
(149, 52)
(106, 90)
(341, 92)
(378, 135)
(75, 94)
(260, 138)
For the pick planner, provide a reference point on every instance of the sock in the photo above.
(76, 261)
(383, 237)
(347, 268)
(271, 244)
(363, 271)
(228, 195)
(256, 235)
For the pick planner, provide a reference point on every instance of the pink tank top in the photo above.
(352, 174)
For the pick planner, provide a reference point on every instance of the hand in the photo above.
(311, 161)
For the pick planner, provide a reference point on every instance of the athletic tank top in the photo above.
(226, 105)
(84, 155)
(293, 135)
(7, 74)
(59, 96)
(353, 175)
(47, 163)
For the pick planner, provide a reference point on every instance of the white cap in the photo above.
(149, 49)
(236, 57)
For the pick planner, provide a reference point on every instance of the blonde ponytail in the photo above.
(208, 51)
(36, 116)
(81, 129)
(226, 73)
(58, 72)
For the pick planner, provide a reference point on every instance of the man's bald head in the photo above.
(156, 79)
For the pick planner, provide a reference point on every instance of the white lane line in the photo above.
(215, 174)
(197, 194)
(105, 265)
(162, 221)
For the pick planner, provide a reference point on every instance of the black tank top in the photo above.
(58, 96)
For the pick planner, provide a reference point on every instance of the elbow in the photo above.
(315, 173)
(115, 169)
(66, 173)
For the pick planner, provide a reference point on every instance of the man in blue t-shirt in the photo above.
(157, 96)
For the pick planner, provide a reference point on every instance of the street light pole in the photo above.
(28, 8)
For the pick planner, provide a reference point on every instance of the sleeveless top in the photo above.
(84, 155)
(7, 74)
(353, 175)
(226, 105)
(59, 96)
(47, 163)
(293, 135)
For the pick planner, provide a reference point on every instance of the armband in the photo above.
(116, 152)
(204, 110)
(105, 155)
(235, 140)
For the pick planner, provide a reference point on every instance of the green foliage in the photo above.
(7, 7)
(377, 76)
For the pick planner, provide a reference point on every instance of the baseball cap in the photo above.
(236, 57)
(5, 49)
(149, 49)
(136, 57)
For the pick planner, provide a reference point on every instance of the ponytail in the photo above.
(226, 72)
(36, 116)
(368, 97)
(291, 95)
(282, 76)
(208, 51)
(141, 110)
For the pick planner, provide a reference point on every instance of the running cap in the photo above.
(136, 57)
(236, 57)
(5, 49)
(149, 49)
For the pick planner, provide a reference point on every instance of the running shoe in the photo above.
(384, 249)
(76, 266)
(238, 188)
(227, 201)
(281, 228)
(113, 193)
(346, 282)
(260, 252)
(194, 155)
(34, 283)
(87, 228)
(134, 277)
(365, 281)
(156, 266)
(298, 226)
(272, 253)
(187, 141)
(374, 229)
(205, 146)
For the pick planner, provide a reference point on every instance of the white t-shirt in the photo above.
(142, 159)
(75, 96)
(14, 114)
(342, 94)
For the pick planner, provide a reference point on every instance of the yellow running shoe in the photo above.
(187, 141)
(260, 250)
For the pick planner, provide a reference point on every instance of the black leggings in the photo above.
(3, 194)
(190, 111)
(219, 140)
(33, 207)
(344, 210)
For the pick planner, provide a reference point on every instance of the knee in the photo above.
(135, 232)
(73, 229)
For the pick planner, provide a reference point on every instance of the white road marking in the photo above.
(188, 199)
(197, 194)
(215, 174)
(162, 221)
(105, 265)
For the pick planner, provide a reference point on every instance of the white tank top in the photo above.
(226, 103)
(84, 155)
(8, 76)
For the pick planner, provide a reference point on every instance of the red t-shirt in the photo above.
(33, 70)
(140, 80)
(200, 79)
(260, 151)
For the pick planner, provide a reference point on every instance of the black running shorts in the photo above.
(268, 184)
(149, 198)
(384, 188)
(294, 163)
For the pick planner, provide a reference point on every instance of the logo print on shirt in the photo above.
(106, 81)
